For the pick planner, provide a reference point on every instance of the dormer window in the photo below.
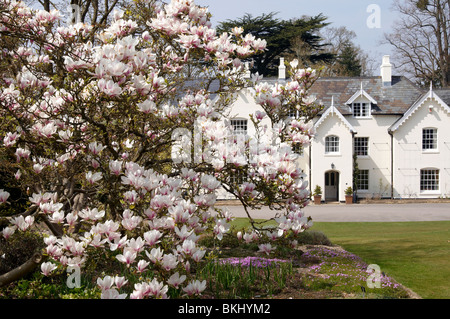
(361, 103)
(361, 109)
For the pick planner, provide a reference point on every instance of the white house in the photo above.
(396, 134)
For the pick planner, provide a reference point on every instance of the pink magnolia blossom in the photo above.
(57, 217)
(184, 232)
(91, 214)
(115, 167)
(198, 255)
(47, 268)
(92, 178)
(130, 222)
(169, 261)
(106, 283)
(54, 251)
(92, 124)
(157, 289)
(148, 106)
(3, 196)
(120, 281)
(155, 255)
(128, 257)
(109, 87)
(22, 153)
(112, 294)
(95, 148)
(23, 223)
(152, 237)
(8, 232)
(266, 248)
(136, 244)
(195, 287)
(142, 265)
(176, 280)
(11, 138)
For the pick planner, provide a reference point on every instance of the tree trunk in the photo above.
(22, 270)
(47, 5)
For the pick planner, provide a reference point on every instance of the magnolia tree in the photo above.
(119, 136)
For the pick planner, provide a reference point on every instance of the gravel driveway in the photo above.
(363, 212)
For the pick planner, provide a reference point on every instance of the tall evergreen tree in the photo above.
(348, 63)
(281, 36)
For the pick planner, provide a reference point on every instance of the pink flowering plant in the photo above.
(119, 136)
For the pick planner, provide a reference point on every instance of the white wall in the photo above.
(409, 158)
(241, 108)
(378, 160)
(342, 162)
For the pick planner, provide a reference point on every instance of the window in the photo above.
(293, 113)
(429, 179)
(363, 180)
(361, 109)
(361, 146)
(331, 144)
(429, 139)
(297, 148)
(331, 179)
(240, 126)
(238, 176)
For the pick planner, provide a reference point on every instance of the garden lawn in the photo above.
(415, 254)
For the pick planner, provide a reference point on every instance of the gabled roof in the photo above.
(394, 99)
(444, 94)
(431, 94)
(361, 92)
(332, 110)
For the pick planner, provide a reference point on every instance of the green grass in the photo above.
(416, 254)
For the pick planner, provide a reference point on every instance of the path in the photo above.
(363, 212)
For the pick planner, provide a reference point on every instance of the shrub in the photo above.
(18, 249)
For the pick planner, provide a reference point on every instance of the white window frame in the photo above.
(429, 139)
(238, 177)
(361, 146)
(297, 148)
(332, 145)
(361, 106)
(429, 180)
(293, 113)
(363, 179)
(240, 126)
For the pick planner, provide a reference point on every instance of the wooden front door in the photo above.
(331, 186)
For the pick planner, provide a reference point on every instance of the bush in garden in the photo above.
(120, 138)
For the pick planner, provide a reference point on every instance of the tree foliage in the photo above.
(284, 39)
(349, 59)
(118, 134)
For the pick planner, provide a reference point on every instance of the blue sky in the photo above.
(352, 14)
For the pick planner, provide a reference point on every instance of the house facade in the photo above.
(384, 131)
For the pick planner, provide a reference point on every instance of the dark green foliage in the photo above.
(280, 35)
(313, 237)
(18, 249)
(348, 62)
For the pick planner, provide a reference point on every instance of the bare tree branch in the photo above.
(421, 40)
(22, 270)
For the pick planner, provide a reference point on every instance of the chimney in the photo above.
(282, 70)
(386, 71)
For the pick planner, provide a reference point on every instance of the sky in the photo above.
(369, 19)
